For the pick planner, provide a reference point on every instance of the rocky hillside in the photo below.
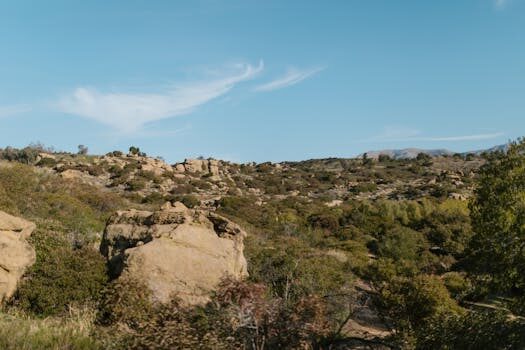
(334, 180)
(126, 251)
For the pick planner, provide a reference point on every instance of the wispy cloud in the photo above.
(499, 4)
(9, 111)
(128, 112)
(401, 134)
(293, 76)
(475, 137)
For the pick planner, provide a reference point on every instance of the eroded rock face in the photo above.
(16, 255)
(175, 251)
(204, 166)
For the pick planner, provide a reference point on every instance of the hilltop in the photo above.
(151, 179)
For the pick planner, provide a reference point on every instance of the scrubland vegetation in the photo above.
(440, 273)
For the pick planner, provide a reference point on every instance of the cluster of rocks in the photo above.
(174, 251)
(199, 166)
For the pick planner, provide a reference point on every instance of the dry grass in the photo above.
(21, 332)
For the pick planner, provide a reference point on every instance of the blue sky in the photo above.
(247, 80)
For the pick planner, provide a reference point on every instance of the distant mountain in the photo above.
(499, 148)
(408, 153)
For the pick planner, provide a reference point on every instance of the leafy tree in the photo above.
(497, 249)
(424, 159)
(134, 150)
(82, 150)
(384, 158)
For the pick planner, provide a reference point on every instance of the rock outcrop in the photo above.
(16, 255)
(199, 166)
(175, 251)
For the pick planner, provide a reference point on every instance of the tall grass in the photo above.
(74, 332)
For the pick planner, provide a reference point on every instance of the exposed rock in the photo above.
(457, 196)
(213, 166)
(72, 174)
(176, 251)
(334, 203)
(196, 165)
(156, 166)
(16, 255)
(179, 168)
(199, 166)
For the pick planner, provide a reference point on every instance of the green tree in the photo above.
(134, 150)
(497, 249)
(82, 150)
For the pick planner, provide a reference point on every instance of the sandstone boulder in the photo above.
(199, 166)
(176, 251)
(16, 255)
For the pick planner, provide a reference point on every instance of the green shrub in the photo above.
(154, 198)
(47, 162)
(292, 271)
(364, 188)
(125, 301)
(136, 184)
(457, 284)
(413, 302)
(61, 277)
(473, 330)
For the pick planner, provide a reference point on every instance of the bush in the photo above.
(457, 284)
(473, 330)
(47, 162)
(364, 188)
(190, 201)
(413, 302)
(61, 277)
(293, 271)
(136, 184)
(125, 301)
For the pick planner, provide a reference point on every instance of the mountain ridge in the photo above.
(412, 152)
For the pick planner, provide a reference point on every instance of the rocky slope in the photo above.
(154, 181)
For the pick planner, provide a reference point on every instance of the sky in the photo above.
(261, 80)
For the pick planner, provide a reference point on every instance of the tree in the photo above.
(497, 249)
(424, 159)
(82, 150)
(134, 150)
(366, 160)
(384, 158)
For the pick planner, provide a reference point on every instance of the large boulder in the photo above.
(175, 251)
(16, 255)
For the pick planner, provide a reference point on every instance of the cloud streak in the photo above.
(128, 112)
(475, 137)
(500, 3)
(9, 111)
(397, 134)
(292, 77)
